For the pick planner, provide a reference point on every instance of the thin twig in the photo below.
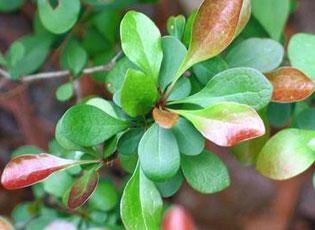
(64, 73)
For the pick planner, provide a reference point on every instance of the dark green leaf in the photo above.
(10, 5)
(129, 141)
(305, 119)
(190, 141)
(206, 172)
(279, 114)
(141, 204)
(158, 153)
(141, 42)
(138, 93)
(169, 187)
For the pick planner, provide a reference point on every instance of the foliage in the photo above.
(219, 76)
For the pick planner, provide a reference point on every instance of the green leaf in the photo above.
(169, 187)
(206, 173)
(22, 214)
(128, 162)
(3, 62)
(74, 58)
(226, 123)
(141, 204)
(110, 146)
(272, 15)
(158, 153)
(305, 119)
(181, 90)
(189, 140)
(60, 19)
(174, 52)
(279, 114)
(105, 198)
(176, 26)
(138, 93)
(141, 42)
(27, 54)
(129, 141)
(86, 125)
(104, 105)
(208, 40)
(242, 85)
(62, 179)
(286, 154)
(301, 53)
(115, 78)
(65, 91)
(188, 28)
(206, 70)
(10, 5)
(26, 149)
(264, 55)
(40, 222)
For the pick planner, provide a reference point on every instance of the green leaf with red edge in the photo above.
(290, 85)
(82, 189)
(214, 28)
(177, 217)
(226, 123)
(27, 170)
(5, 224)
(287, 154)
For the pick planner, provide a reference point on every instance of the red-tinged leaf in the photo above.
(82, 189)
(26, 170)
(164, 118)
(244, 17)
(177, 218)
(214, 28)
(290, 85)
(226, 123)
(5, 225)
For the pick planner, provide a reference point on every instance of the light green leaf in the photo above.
(242, 85)
(190, 141)
(103, 105)
(176, 26)
(138, 93)
(86, 125)
(141, 42)
(65, 91)
(169, 187)
(286, 154)
(62, 179)
(206, 172)
(226, 123)
(174, 52)
(60, 19)
(188, 28)
(272, 15)
(206, 70)
(105, 197)
(301, 53)
(158, 153)
(74, 58)
(141, 204)
(181, 90)
(264, 55)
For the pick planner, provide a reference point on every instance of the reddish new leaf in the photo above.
(177, 218)
(5, 225)
(215, 26)
(82, 189)
(290, 85)
(164, 118)
(226, 123)
(26, 170)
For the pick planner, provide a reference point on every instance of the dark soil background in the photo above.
(28, 114)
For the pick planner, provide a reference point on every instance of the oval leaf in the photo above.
(141, 204)
(138, 94)
(286, 154)
(82, 189)
(177, 218)
(26, 170)
(86, 125)
(158, 153)
(141, 42)
(164, 118)
(259, 53)
(241, 85)
(244, 16)
(226, 123)
(214, 29)
(206, 172)
(290, 85)
(60, 19)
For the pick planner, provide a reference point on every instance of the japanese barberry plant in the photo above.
(221, 76)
